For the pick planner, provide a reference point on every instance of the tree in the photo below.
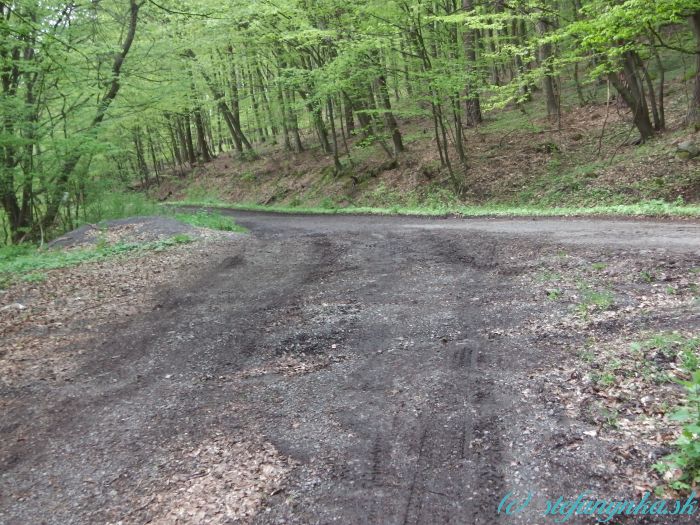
(95, 94)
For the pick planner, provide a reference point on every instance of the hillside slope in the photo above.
(517, 158)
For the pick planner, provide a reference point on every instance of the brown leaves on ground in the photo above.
(517, 157)
(45, 325)
(48, 325)
(614, 379)
(219, 481)
(292, 365)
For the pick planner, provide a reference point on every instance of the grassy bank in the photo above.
(641, 209)
(207, 219)
(29, 262)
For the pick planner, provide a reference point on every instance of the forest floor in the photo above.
(517, 158)
(350, 370)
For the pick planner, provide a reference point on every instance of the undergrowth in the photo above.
(27, 263)
(646, 209)
(682, 467)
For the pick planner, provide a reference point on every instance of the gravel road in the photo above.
(366, 352)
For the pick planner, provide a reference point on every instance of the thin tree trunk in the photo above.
(348, 114)
(294, 121)
(174, 146)
(631, 96)
(202, 144)
(549, 81)
(473, 104)
(154, 157)
(317, 117)
(661, 90)
(372, 106)
(231, 116)
(693, 117)
(576, 4)
(235, 108)
(266, 103)
(189, 143)
(260, 131)
(285, 127)
(389, 120)
(658, 124)
(331, 118)
(140, 158)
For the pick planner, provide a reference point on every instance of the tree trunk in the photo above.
(266, 103)
(293, 120)
(314, 109)
(549, 81)
(473, 104)
(658, 123)
(459, 136)
(389, 120)
(236, 108)
(331, 118)
(202, 144)
(348, 114)
(140, 157)
(189, 143)
(285, 126)
(175, 145)
(634, 99)
(231, 116)
(261, 132)
(693, 117)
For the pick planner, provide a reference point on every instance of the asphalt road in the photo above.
(414, 414)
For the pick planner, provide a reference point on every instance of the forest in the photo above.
(103, 99)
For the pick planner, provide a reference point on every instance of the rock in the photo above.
(687, 150)
(14, 306)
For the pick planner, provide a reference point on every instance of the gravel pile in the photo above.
(132, 229)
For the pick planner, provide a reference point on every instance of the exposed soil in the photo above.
(348, 370)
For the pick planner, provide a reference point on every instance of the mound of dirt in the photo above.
(133, 229)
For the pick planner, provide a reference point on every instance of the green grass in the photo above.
(672, 345)
(106, 204)
(644, 209)
(117, 205)
(28, 263)
(686, 455)
(554, 294)
(198, 193)
(548, 275)
(211, 220)
(510, 121)
(592, 299)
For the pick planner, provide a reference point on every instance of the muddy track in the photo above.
(408, 414)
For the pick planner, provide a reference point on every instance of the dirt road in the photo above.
(376, 368)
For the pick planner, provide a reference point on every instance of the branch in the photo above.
(185, 13)
(669, 46)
